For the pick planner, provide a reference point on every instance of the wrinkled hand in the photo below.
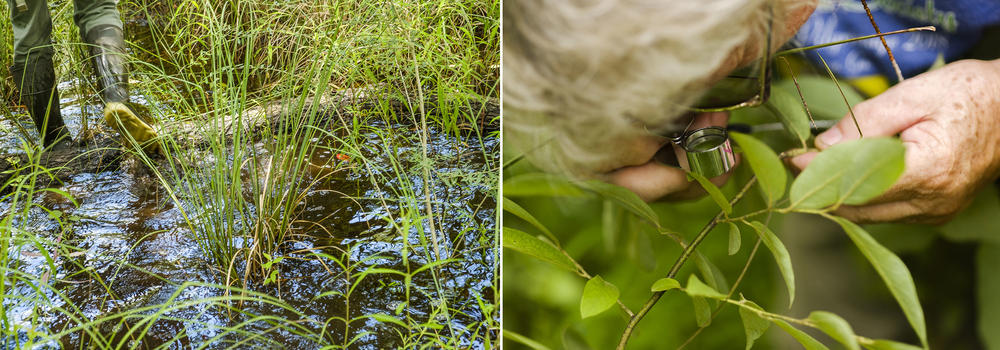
(949, 121)
(652, 180)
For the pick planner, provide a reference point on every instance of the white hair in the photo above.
(581, 75)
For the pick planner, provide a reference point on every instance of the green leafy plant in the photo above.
(849, 173)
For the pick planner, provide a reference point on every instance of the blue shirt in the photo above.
(959, 23)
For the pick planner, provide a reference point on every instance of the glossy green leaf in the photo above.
(893, 272)
(771, 173)
(598, 295)
(540, 184)
(628, 199)
(520, 241)
(753, 325)
(787, 106)
(852, 172)
(697, 288)
(735, 240)
(714, 192)
(806, 340)
(987, 290)
(513, 208)
(780, 256)
(836, 327)
(882, 344)
(665, 284)
(702, 311)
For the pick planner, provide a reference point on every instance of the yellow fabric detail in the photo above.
(871, 85)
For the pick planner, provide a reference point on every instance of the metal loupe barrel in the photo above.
(708, 151)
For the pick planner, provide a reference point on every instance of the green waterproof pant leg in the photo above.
(33, 71)
(89, 14)
(32, 30)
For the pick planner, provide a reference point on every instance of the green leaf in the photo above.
(806, 340)
(765, 164)
(849, 173)
(388, 319)
(714, 192)
(735, 240)
(531, 343)
(598, 295)
(628, 199)
(697, 288)
(987, 290)
(835, 327)
(702, 311)
(513, 208)
(780, 256)
(893, 272)
(712, 274)
(882, 344)
(540, 184)
(520, 241)
(789, 110)
(753, 325)
(822, 95)
(665, 284)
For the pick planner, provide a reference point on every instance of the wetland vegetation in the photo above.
(328, 179)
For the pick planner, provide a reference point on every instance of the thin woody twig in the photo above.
(813, 47)
(688, 251)
(805, 106)
(846, 102)
(732, 291)
(899, 73)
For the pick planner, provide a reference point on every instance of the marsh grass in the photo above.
(240, 171)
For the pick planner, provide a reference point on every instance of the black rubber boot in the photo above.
(36, 80)
(108, 51)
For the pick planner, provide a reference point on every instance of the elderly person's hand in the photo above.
(949, 121)
(652, 180)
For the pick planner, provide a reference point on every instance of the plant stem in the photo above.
(899, 74)
(677, 265)
(800, 49)
(580, 271)
(746, 216)
(732, 290)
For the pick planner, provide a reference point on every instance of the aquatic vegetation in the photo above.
(328, 181)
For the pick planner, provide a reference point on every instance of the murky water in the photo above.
(136, 251)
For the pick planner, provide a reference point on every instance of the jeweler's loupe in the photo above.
(707, 151)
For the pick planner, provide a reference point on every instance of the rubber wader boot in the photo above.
(108, 49)
(36, 80)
